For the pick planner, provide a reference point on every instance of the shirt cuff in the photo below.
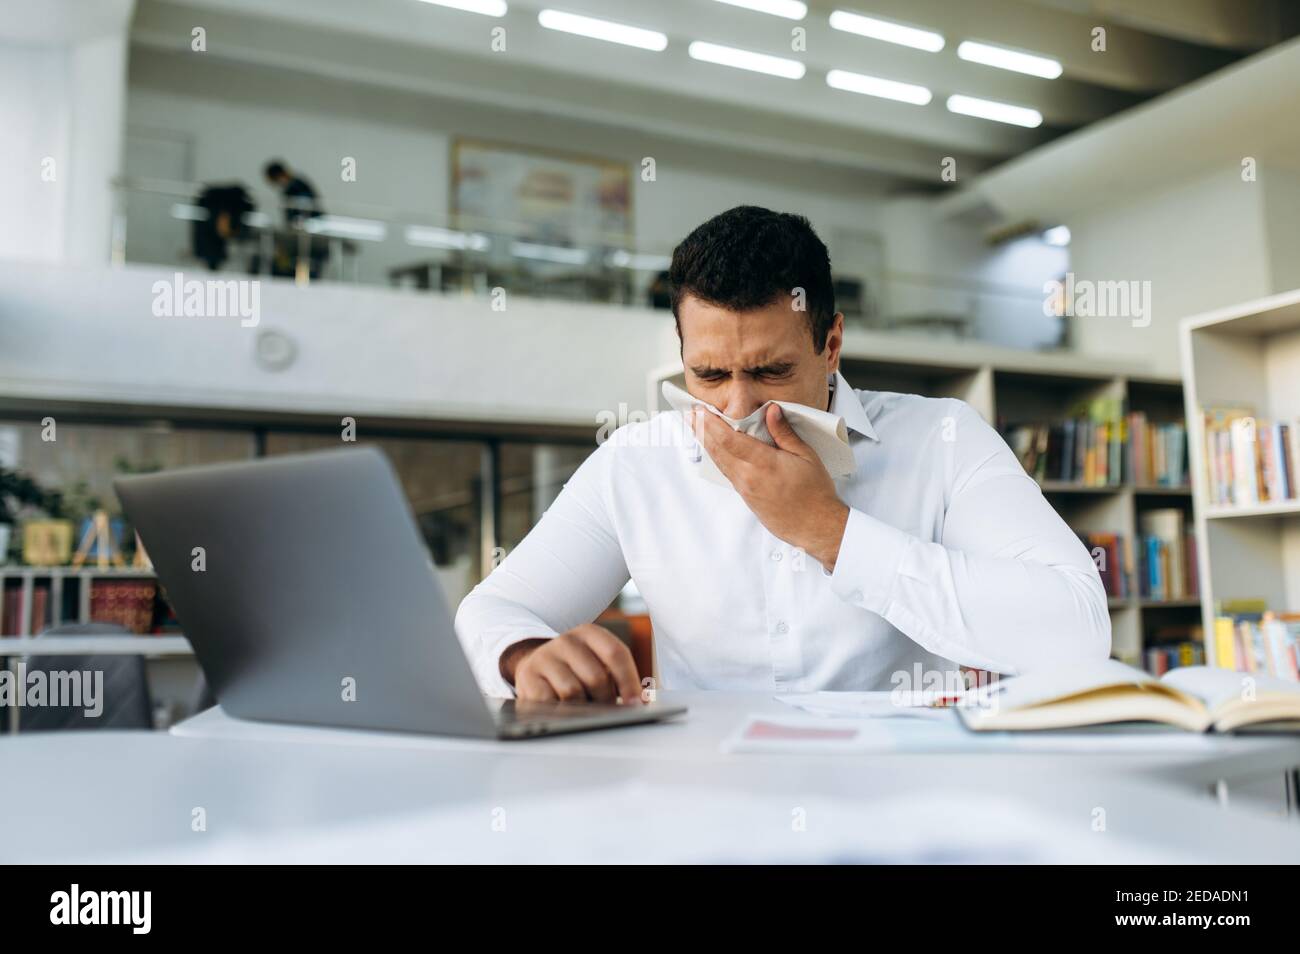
(871, 553)
(491, 682)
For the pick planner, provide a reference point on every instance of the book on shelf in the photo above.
(128, 603)
(1249, 459)
(1157, 452)
(1102, 447)
(1167, 568)
(11, 620)
(1113, 559)
(1250, 638)
(1165, 656)
(1195, 698)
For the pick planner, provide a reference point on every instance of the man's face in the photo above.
(737, 360)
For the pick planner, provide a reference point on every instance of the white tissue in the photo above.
(824, 432)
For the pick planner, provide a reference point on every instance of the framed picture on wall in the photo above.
(549, 199)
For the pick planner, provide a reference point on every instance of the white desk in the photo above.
(656, 793)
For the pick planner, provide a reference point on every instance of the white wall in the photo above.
(1281, 203)
(1201, 243)
(940, 265)
(90, 334)
(33, 82)
(62, 90)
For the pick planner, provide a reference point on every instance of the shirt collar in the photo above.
(848, 405)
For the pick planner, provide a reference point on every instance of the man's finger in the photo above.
(720, 440)
(533, 687)
(617, 659)
(784, 434)
(588, 667)
(564, 681)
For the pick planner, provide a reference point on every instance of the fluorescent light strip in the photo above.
(342, 226)
(887, 31)
(746, 60)
(489, 8)
(606, 30)
(432, 236)
(1005, 59)
(998, 112)
(876, 86)
(790, 9)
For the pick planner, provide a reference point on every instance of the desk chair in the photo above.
(125, 692)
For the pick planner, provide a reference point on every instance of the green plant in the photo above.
(18, 490)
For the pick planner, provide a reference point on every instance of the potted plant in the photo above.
(17, 491)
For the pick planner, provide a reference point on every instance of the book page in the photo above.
(1049, 685)
(1219, 687)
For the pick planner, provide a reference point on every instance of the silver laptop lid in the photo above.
(307, 593)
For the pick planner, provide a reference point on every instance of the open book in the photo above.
(1195, 698)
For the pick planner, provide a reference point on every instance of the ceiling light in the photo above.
(489, 8)
(876, 86)
(790, 9)
(886, 30)
(1005, 59)
(746, 60)
(1057, 235)
(998, 112)
(606, 30)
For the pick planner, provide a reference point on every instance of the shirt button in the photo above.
(781, 627)
(856, 596)
(776, 556)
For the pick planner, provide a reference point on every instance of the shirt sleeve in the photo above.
(564, 573)
(1008, 588)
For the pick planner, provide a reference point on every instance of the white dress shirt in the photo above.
(950, 557)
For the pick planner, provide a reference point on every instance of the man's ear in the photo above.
(834, 342)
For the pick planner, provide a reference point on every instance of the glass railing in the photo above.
(218, 227)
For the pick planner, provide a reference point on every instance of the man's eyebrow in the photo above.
(770, 368)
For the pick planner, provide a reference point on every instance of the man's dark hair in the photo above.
(747, 258)
(275, 169)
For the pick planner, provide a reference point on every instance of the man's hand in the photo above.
(786, 486)
(586, 664)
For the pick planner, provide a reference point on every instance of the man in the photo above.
(299, 194)
(300, 204)
(938, 551)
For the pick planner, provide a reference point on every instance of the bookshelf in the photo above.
(1006, 385)
(60, 580)
(1246, 355)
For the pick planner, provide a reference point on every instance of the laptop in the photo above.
(307, 593)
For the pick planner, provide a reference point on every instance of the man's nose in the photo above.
(742, 400)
